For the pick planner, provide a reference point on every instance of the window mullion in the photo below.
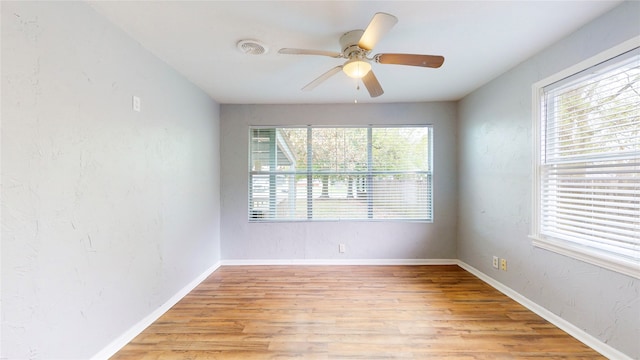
(309, 173)
(273, 161)
(369, 172)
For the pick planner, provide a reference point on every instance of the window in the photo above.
(340, 173)
(587, 168)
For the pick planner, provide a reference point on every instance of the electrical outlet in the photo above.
(342, 248)
(495, 262)
(503, 264)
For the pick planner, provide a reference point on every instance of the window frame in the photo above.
(369, 172)
(563, 247)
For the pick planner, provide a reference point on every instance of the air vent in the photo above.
(252, 47)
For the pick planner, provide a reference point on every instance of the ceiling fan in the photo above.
(356, 46)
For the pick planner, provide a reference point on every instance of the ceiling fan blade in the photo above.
(373, 86)
(291, 51)
(432, 61)
(320, 79)
(377, 28)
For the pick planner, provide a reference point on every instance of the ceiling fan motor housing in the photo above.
(349, 44)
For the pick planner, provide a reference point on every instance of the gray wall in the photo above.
(106, 213)
(364, 240)
(495, 155)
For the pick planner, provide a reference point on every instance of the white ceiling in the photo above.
(479, 40)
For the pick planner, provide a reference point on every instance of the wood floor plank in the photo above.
(350, 312)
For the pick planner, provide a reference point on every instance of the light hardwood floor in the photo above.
(350, 312)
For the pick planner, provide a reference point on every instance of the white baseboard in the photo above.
(341, 262)
(135, 330)
(556, 320)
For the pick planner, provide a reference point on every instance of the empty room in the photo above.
(320, 180)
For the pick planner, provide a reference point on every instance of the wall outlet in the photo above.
(342, 248)
(495, 262)
(503, 264)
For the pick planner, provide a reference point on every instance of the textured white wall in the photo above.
(495, 154)
(319, 240)
(106, 212)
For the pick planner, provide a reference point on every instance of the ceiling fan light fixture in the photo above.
(356, 68)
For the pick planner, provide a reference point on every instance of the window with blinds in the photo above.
(588, 170)
(340, 173)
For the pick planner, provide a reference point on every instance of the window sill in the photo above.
(623, 266)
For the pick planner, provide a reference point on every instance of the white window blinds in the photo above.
(589, 171)
(343, 173)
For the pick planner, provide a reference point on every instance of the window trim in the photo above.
(431, 161)
(566, 248)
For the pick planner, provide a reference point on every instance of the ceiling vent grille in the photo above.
(252, 47)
